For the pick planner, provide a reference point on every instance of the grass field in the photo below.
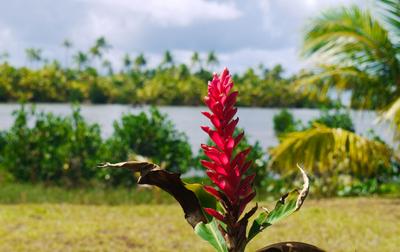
(336, 225)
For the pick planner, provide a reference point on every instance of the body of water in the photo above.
(257, 122)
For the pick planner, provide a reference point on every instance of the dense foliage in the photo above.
(342, 162)
(66, 150)
(357, 50)
(54, 150)
(284, 122)
(92, 78)
(152, 136)
(335, 119)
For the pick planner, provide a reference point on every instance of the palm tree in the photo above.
(212, 59)
(358, 52)
(81, 60)
(196, 60)
(97, 50)
(276, 72)
(108, 66)
(140, 62)
(33, 54)
(127, 62)
(168, 59)
(67, 44)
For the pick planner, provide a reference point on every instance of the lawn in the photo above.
(336, 225)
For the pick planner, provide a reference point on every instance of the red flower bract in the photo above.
(226, 170)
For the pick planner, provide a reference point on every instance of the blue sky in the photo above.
(243, 33)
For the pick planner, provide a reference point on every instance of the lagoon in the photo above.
(257, 122)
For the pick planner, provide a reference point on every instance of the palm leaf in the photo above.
(392, 115)
(330, 149)
(348, 35)
(391, 14)
(352, 39)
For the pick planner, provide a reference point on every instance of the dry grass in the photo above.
(336, 225)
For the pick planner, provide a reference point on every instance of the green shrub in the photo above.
(335, 119)
(284, 122)
(55, 150)
(150, 135)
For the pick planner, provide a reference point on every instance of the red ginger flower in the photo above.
(225, 169)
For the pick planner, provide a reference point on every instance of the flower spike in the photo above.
(225, 170)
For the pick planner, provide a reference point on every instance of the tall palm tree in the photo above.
(140, 62)
(108, 66)
(196, 60)
(67, 44)
(99, 48)
(212, 59)
(168, 59)
(33, 54)
(127, 62)
(81, 59)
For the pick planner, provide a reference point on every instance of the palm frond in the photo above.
(351, 36)
(392, 115)
(363, 86)
(324, 149)
(391, 14)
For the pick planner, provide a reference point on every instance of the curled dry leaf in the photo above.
(290, 247)
(152, 174)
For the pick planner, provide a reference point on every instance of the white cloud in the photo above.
(285, 14)
(174, 12)
(242, 33)
(6, 36)
(9, 43)
(116, 27)
(268, 57)
(126, 22)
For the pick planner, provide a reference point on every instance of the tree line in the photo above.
(88, 76)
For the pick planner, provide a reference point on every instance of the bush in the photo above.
(284, 122)
(335, 119)
(65, 151)
(152, 136)
(55, 150)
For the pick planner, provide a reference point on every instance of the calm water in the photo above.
(257, 122)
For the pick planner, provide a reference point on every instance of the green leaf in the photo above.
(205, 199)
(287, 204)
(322, 149)
(152, 174)
(210, 233)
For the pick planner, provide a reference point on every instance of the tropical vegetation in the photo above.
(356, 52)
(65, 151)
(90, 77)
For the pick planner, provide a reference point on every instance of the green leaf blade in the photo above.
(288, 204)
(210, 233)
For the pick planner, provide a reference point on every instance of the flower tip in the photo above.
(225, 72)
(205, 128)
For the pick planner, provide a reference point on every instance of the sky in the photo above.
(243, 33)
